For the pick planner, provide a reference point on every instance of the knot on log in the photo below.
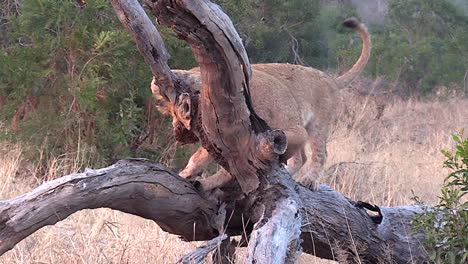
(271, 144)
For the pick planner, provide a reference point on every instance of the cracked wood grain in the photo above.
(134, 186)
(332, 226)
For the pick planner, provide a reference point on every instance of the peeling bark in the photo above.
(134, 186)
(331, 223)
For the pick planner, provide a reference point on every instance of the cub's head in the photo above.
(185, 107)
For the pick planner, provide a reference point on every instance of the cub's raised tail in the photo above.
(357, 68)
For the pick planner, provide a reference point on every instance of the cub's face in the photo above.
(181, 133)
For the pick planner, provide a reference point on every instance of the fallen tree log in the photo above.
(284, 218)
(133, 186)
(332, 224)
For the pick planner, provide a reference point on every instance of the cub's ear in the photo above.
(184, 110)
(162, 103)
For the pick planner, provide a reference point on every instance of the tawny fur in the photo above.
(301, 101)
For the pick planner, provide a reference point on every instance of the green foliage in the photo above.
(446, 225)
(269, 28)
(422, 45)
(341, 52)
(72, 75)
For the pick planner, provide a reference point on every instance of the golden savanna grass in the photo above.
(376, 157)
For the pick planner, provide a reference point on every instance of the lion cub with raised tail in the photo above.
(301, 101)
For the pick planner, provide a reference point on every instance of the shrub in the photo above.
(446, 224)
(71, 78)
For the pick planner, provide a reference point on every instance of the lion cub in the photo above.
(301, 101)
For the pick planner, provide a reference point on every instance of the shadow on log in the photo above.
(285, 218)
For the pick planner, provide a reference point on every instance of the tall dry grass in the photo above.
(385, 157)
(380, 160)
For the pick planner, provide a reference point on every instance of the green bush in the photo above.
(421, 45)
(72, 77)
(446, 224)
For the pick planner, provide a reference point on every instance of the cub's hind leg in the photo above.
(219, 179)
(197, 164)
(296, 162)
(297, 137)
(317, 140)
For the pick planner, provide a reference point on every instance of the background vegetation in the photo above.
(72, 79)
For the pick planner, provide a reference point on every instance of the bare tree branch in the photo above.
(150, 44)
(135, 186)
(199, 255)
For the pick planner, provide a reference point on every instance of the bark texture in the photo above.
(333, 226)
(134, 186)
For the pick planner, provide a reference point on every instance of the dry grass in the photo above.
(376, 160)
(384, 160)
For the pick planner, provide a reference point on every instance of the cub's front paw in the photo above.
(311, 184)
(189, 174)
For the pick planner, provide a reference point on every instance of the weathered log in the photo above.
(134, 186)
(331, 223)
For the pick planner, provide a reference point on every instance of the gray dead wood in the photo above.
(332, 226)
(134, 186)
(276, 212)
(150, 44)
(200, 254)
(335, 227)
